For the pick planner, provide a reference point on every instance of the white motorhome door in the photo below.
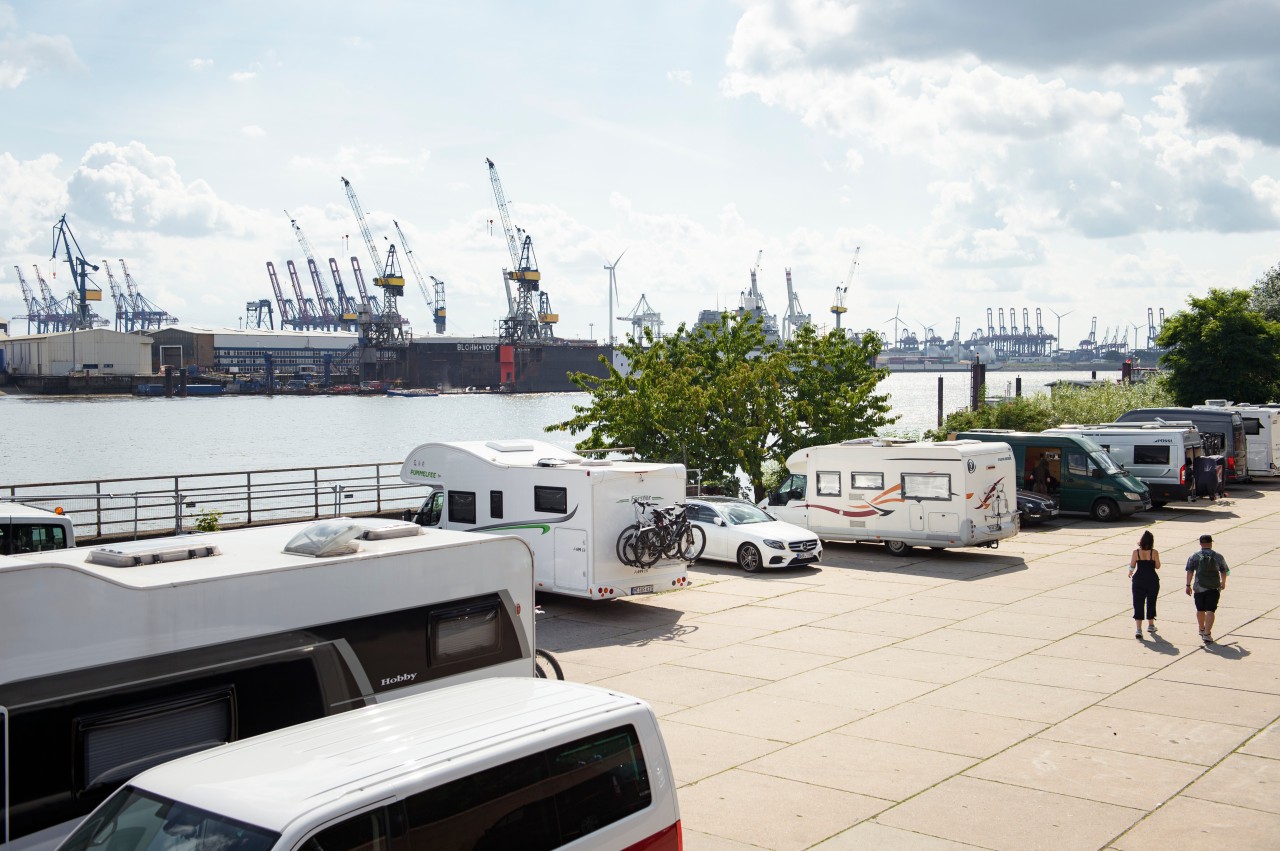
(571, 559)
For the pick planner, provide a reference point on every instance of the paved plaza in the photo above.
(963, 699)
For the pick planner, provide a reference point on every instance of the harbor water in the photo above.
(58, 439)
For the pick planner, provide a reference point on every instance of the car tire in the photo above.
(897, 548)
(749, 558)
(1105, 510)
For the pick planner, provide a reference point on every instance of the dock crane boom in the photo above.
(391, 281)
(35, 309)
(435, 302)
(330, 311)
(837, 303)
(80, 267)
(524, 321)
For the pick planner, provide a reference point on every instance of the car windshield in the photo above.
(1103, 460)
(742, 513)
(133, 820)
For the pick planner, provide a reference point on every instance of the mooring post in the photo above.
(939, 401)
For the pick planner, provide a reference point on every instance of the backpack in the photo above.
(1207, 576)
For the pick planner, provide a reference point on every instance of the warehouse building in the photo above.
(97, 351)
(244, 351)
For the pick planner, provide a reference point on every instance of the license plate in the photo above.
(641, 589)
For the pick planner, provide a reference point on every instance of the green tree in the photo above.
(1265, 295)
(1220, 348)
(717, 399)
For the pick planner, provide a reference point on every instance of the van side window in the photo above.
(540, 801)
(462, 507)
(495, 505)
(828, 483)
(1155, 455)
(1077, 464)
(35, 538)
(365, 832)
(866, 481)
(552, 500)
(926, 486)
(1252, 425)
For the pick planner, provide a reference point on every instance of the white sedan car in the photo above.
(740, 532)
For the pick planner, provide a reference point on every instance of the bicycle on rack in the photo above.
(659, 532)
(553, 671)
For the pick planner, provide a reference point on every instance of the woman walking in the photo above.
(1143, 565)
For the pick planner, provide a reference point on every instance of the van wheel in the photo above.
(897, 548)
(749, 558)
(1105, 510)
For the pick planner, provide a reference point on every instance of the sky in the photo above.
(1089, 161)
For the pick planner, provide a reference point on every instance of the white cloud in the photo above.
(252, 131)
(242, 76)
(34, 196)
(22, 56)
(680, 76)
(353, 161)
(199, 64)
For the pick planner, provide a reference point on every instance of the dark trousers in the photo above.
(1144, 596)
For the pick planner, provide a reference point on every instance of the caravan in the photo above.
(1221, 430)
(1163, 457)
(1261, 434)
(960, 493)
(569, 509)
(117, 658)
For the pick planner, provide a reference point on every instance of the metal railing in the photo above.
(129, 507)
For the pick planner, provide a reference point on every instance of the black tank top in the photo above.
(1146, 570)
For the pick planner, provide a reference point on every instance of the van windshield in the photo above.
(133, 820)
(1104, 462)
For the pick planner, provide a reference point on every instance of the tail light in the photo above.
(1231, 463)
(1182, 475)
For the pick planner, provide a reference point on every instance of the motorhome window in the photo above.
(866, 481)
(364, 832)
(551, 500)
(495, 505)
(464, 632)
(462, 507)
(1077, 464)
(926, 486)
(540, 801)
(132, 820)
(1252, 425)
(114, 747)
(828, 483)
(1156, 455)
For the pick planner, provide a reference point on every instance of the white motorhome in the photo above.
(495, 764)
(956, 493)
(1261, 434)
(569, 509)
(1161, 456)
(116, 658)
(27, 529)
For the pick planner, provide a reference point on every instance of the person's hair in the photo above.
(1147, 541)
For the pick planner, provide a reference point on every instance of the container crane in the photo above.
(389, 331)
(80, 267)
(288, 310)
(330, 313)
(36, 310)
(124, 310)
(434, 301)
(837, 303)
(795, 317)
(145, 314)
(523, 323)
(372, 301)
(345, 302)
(308, 316)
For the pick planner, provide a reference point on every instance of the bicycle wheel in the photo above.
(627, 545)
(648, 547)
(541, 656)
(692, 543)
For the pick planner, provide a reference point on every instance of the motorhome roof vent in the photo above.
(509, 445)
(596, 462)
(1217, 403)
(327, 538)
(376, 529)
(552, 462)
(139, 553)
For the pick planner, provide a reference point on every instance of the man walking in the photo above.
(1206, 580)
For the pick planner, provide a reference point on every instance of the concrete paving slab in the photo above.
(1127, 780)
(820, 600)
(1027, 701)
(1220, 667)
(633, 657)
(1027, 626)
(879, 587)
(767, 584)
(680, 686)
(759, 617)
(711, 599)
(1242, 780)
(884, 623)
(979, 592)
(865, 766)
(1199, 702)
(697, 841)
(915, 665)
(1044, 604)
(936, 607)
(828, 642)
(1266, 743)
(1149, 653)
(990, 815)
(754, 660)
(939, 728)
(771, 812)
(872, 835)
(770, 717)
(1163, 736)
(697, 635)
(700, 752)
(847, 688)
(1069, 673)
(1192, 823)
(955, 641)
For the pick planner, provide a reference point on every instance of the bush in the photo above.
(208, 520)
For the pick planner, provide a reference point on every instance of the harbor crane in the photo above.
(62, 237)
(434, 301)
(254, 311)
(308, 314)
(37, 309)
(523, 323)
(123, 308)
(643, 316)
(331, 312)
(145, 315)
(751, 302)
(288, 310)
(795, 317)
(387, 329)
(837, 303)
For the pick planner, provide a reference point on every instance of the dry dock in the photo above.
(965, 699)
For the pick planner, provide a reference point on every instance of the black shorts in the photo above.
(1207, 601)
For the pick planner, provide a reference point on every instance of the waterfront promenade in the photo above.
(965, 699)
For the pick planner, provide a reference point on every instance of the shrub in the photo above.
(208, 520)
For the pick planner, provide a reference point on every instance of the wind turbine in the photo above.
(1058, 338)
(613, 288)
(896, 319)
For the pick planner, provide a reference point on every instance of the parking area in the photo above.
(963, 699)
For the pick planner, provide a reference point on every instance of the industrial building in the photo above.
(96, 351)
(245, 351)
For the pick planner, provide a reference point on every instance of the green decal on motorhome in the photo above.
(425, 474)
(544, 525)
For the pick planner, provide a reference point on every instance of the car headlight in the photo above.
(777, 545)
(1132, 495)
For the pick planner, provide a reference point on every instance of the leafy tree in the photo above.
(719, 400)
(1220, 348)
(1265, 295)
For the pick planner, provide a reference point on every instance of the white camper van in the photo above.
(501, 764)
(957, 493)
(569, 509)
(117, 658)
(1261, 434)
(27, 529)
(1161, 456)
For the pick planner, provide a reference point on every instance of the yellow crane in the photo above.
(837, 304)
